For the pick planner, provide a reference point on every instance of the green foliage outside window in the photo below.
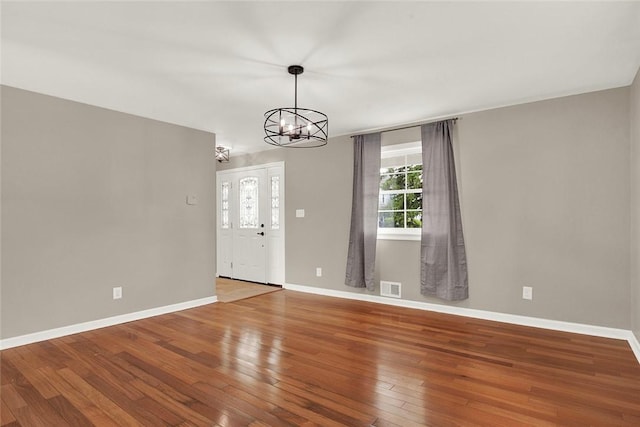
(400, 201)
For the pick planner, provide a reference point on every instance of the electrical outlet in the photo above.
(318, 272)
(527, 292)
(117, 292)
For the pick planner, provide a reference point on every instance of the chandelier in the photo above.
(296, 127)
(222, 154)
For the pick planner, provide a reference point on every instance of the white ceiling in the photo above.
(218, 66)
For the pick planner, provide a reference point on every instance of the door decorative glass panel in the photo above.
(224, 208)
(248, 191)
(275, 202)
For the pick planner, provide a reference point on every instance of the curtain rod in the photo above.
(455, 119)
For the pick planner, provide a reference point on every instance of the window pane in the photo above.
(414, 219)
(400, 199)
(414, 180)
(392, 182)
(391, 220)
(391, 202)
(384, 180)
(414, 201)
(248, 189)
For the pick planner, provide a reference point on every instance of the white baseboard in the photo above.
(556, 325)
(635, 345)
(101, 323)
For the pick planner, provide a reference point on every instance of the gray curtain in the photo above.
(364, 211)
(443, 270)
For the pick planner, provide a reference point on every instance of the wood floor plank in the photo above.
(27, 416)
(25, 402)
(78, 399)
(28, 366)
(180, 408)
(293, 359)
(232, 402)
(6, 416)
(98, 397)
(340, 411)
(277, 411)
(68, 411)
(11, 398)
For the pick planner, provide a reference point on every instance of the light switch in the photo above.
(192, 199)
(299, 213)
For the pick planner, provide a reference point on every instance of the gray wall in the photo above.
(545, 203)
(93, 199)
(545, 199)
(635, 204)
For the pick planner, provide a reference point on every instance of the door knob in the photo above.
(261, 233)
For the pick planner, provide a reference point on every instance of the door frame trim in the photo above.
(252, 167)
(265, 166)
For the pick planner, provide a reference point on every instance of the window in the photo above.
(224, 206)
(400, 199)
(248, 189)
(275, 202)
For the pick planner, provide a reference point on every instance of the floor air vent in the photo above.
(390, 289)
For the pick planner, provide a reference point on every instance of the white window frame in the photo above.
(397, 151)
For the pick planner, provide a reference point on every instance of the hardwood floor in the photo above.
(230, 290)
(287, 358)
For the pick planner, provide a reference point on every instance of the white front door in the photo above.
(249, 243)
(250, 231)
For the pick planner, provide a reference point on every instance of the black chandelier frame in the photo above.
(308, 129)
